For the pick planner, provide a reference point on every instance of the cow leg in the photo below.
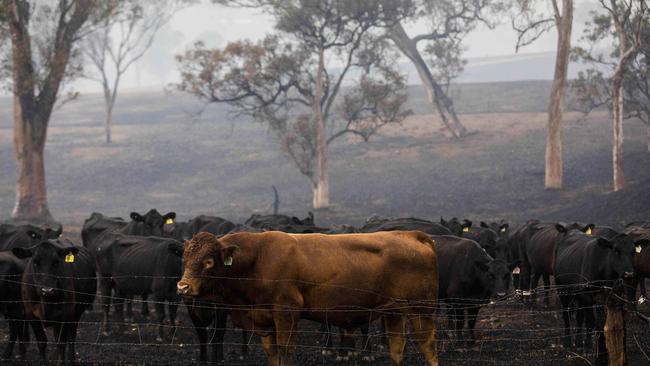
(71, 339)
(642, 285)
(105, 289)
(533, 288)
(160, 314)
(524, 281)
(13, 336)
(424, 330)
(270, 348)
(145, 305)
(41, 338)
(129, 308)
(472, 316)
(173, 309)
(118, 304)
(631, 291)
(590, 325)
(566, 302)
(459, 322)
(61, 337)
(23, 338)
(581, 328)
(396, 331)
(547, 289)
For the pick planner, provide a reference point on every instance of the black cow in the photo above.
(468, 279)
(273, 221)
(97, 224)
(59, 284)
(11, 306)
(586, 269)
(13, 236)
(488, 239)
(641, 261)
(136, 265)
(538, 255)
(185, 230)
(375, 224)
(150, 224)
(455, 225)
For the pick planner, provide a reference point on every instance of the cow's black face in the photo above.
(454, 225)
(622, 251)
(500, 277)
(47, 266)
(154, 222)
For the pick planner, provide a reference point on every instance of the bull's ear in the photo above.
(175, 248)
(33, 234)
(604, 242)
(504, 228)
(137, 217)
(588, 229)
(227, 253)
(560, 228)
(484, 225)
(21, 253)
(481, 265)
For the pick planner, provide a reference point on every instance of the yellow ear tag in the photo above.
(227, 261)
(169, 221)
(466, 229)
(69, 258)
(588, 232)
(638, 249)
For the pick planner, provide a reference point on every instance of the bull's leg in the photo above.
(366, 346)
(424, 329)
(41, 338)
(286, 323)
(270, 348)
(472, 315)
(346, 345)
(326, 339)
(219, 332)
(245, 337)
(396, 331)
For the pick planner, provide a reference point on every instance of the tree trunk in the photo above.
(437, 97)
(109, 120)
(553, 170)
(31, 194)
(321, 181)
(648, 135)
(617, 148)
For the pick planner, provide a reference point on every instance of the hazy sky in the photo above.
(216, 25)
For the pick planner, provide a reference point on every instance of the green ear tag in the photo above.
(69, 258)
(227, 261)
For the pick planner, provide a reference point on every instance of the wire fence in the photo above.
(511, 330)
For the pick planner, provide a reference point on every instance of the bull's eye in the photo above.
(209, 263)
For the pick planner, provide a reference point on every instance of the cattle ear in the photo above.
(169, 218)
(604, 242)
(480, 265)
(21, 253)
(175, 248)
(588, 229)
(227, 253)
(514, 264)
(442, 221)
(69, 250)
(466, 225)
(137, 217)
(560, 228)
(484, 225)
(504, 228)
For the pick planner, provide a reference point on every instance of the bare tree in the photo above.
(122, 38)
(43, 36)
(448, 23)
(284, 80)
(530, 25)
(626, 23)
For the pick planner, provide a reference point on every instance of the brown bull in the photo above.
(270, 280)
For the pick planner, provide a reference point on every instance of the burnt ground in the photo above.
(508, 333)
(217, 165)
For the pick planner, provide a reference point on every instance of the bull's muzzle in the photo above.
(182, 288)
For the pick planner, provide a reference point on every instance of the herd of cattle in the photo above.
(273, 270)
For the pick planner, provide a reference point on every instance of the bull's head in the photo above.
(207, 261)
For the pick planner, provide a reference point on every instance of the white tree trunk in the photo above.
(553, 156)
(320, 187)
